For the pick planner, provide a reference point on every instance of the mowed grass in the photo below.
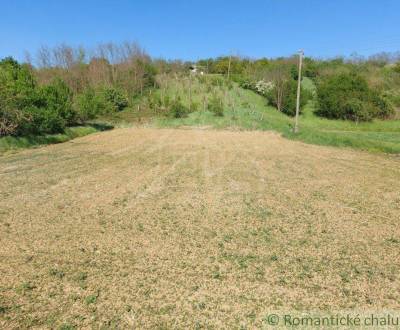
(246, 110)
(162, 228)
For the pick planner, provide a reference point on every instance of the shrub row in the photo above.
(177, 109)
(348, 96)
(27, 108)
(344, 95)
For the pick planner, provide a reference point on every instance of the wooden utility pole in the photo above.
(190, 91)
(296, 120)
(229, 66)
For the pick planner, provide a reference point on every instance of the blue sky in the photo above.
(198, 29)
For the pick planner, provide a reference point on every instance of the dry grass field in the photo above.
(145, 228)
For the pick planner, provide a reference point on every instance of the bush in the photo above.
(116, 97)
(17, 85)
(57, 98)
(247, 84)
(393, 96)
(348, 96)
(17, 91)
(91, 104)
(383, 107)
(357, 110)
(284, 97)
(10, 119)
(294, 72)
(29, 109)
(177, 109)
(26, 108)
(396, 67)
(310, 68)
(215, 106)
(263, 87)
(41, 121)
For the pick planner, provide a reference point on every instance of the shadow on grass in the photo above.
(101, 126)
(9, 143)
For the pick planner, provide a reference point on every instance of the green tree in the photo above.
(287, 92)
(348, 96)
(57, 97)
(92, 103)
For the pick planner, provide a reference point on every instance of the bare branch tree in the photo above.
(44, 57)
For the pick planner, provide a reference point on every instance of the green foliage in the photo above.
(294, 72)
(91, 299)
(51, 110)
(17, 91)
(40, 121)
(155, 103)
(310, 68)
(228, 84)
(93, 103)
(57, 98)
(348, 96)
(177, 109)
(17, 84)
(215, 106)
(194, 106)
(309, 86)
(375, 136)
(29, 109)
(149, 76)
(116, 97)
(166, 100)
(247, 83)
(383, 107)
(239, 79)
(217, 81)
(393, 96)
(288, 97)
(87, 105)
(396, 67)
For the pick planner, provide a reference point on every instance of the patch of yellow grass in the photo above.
(154, 228)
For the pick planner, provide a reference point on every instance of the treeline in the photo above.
(125, 66)
(64, 86)
(312, 67)
(355, 88)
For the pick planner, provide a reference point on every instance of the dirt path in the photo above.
(182, 228)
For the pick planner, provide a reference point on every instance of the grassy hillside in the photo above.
(245, 109)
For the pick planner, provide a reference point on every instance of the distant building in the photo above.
(195, 70)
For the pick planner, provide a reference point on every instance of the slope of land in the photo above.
(172, 228)
(245, 109)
